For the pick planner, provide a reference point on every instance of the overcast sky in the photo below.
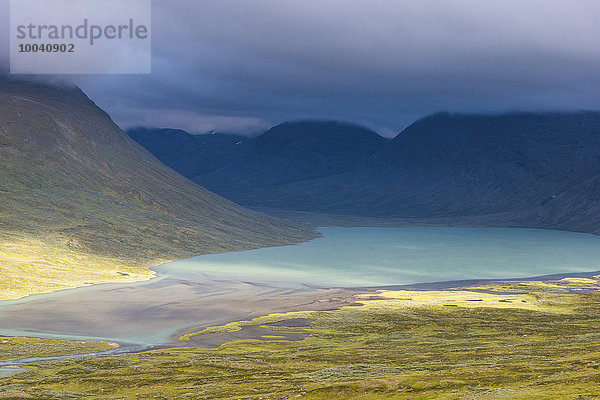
(245, 65)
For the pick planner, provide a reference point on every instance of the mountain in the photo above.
(461, 165)
(190, 155)
(282, 167)
(517, 169)
(81, 202)
(297, 151)
(223, 143)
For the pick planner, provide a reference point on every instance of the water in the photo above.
(10, 367)
(358, 257)
(4, 372)
(216, 289)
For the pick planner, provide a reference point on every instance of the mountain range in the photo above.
(514, 169)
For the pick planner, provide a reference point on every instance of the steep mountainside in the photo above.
(190, 155)
(82, 202)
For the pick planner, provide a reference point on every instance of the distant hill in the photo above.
(190, 155)
(472, 164)
(81, 202)
(266, 170)
(297, 151)
(520, 169)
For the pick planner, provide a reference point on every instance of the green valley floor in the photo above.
(498, 340)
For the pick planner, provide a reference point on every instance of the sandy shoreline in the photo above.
(177, 309)
(151, 276)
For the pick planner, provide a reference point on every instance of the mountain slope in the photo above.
(471, 165)
(281, 167)
(82, 202)
(190, 155)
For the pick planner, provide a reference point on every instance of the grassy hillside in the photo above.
(81, 202)
(15, 348)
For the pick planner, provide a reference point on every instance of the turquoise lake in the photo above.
(209, 290)
(358, 257)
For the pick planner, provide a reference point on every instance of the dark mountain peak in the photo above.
(321, 124)
(296, 151)
(502, 156)
(318, 136)
(220, 139)
(446, 133)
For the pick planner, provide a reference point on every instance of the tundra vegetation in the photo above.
(513, 340)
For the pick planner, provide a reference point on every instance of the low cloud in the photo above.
(4, 35)
(243, 64)
(190, 121)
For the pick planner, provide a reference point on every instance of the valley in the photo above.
(416, 282)
(281, 200)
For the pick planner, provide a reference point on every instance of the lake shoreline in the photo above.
(339, 222)
(179, 299)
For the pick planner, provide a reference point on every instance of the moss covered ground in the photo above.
(14, 348)
(448, 344)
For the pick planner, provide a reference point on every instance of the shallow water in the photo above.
(4, 372)
(215, 289)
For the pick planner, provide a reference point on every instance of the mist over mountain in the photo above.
(524, 169)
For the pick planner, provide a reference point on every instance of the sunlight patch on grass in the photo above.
(14, 348)
(29, 266)
(459, 298)
(579, 281)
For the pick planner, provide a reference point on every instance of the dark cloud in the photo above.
(4, 31)
(243, 65)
